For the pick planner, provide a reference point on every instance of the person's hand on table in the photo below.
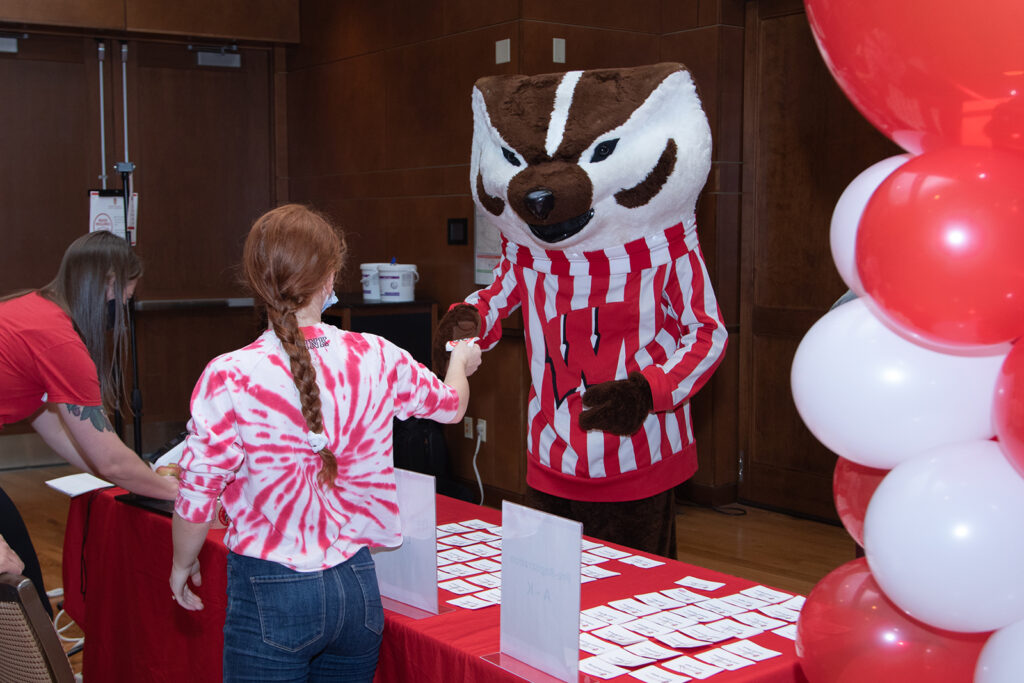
(9, 560)
(181, 593)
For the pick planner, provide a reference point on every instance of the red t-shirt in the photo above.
(40, 353)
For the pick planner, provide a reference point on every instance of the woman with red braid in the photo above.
(293, 434)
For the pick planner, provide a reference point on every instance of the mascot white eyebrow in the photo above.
(592, 177)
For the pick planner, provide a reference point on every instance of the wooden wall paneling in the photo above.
(640, 16)
(280, 123)
(175, 345)
(420, 235)
(585, 47)
(266, 20)
(799, 154)
(333, 30)
(100, 14)
(429, 119)
(337, 113)
(467, 15)
(51, 145)
(202, 142)
(498, 394)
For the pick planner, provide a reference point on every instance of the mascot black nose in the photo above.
(540, 202)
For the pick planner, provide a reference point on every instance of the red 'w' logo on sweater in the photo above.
(583, 347)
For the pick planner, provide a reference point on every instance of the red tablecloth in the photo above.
(117, 558)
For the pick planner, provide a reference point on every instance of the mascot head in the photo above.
(587, 160)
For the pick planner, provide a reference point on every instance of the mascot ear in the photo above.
(617, 407)
(461, 321)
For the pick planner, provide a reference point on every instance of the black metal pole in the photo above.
(126, 168)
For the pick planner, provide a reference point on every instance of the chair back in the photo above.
(30, 651)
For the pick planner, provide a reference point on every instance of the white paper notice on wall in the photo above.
(486, 248)
(106, 212)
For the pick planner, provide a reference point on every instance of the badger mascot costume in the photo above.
(592, 177)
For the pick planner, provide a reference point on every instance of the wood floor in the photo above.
(768, 547)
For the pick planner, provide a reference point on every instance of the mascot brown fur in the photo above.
(592, 178)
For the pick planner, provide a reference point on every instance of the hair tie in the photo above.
(317, 442)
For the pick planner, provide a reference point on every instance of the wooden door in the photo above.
(50, 142)
(202, 141)
(803, 144)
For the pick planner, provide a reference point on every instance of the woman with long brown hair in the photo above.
(59, 346)
(293, 434)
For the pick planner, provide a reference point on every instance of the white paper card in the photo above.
(480, 524)
(642, 562)
(652, 651)
(470, 602)
(787, 631)
(652, 674)
(458, 586)
(721, 607)
(769, 595)
(595, 646)
(485, 565)
(634, 607)
(659, 600)
(691, 667)
(76, 484)
(723, 659)
(618, 634)
(621, 657)
(678, 640)
(610, 553)
(700, 584)
(408, 573)
(595, 572)
(750, 650)
(608, 615)
(684, 596)
(540, 573)
(758, 620)
(780, 612)
(594, 666)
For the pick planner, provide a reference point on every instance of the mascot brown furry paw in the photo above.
(592, 177)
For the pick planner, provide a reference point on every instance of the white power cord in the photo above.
(75, 642)
(479, 481)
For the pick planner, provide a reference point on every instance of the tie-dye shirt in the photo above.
(248, 444)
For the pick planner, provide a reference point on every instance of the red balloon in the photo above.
(942, 73)
(1008, 410)
(853, 485)
(940, 247)
(849, 632)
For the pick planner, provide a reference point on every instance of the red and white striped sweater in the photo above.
(596, 316)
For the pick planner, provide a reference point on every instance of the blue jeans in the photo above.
(284, 625)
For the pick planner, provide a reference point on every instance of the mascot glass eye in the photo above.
(510, 156)
(604, 150)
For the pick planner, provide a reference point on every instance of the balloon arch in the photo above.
(918, 384)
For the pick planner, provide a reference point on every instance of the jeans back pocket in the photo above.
(291, 609)
(366, 575)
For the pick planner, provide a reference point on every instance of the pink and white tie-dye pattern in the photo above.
(247, 444)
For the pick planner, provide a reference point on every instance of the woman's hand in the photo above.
(9, 560)
(467, 354)
(180, 590)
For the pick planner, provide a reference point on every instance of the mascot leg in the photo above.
(648, 524)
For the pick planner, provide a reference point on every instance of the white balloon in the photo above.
(878, 399)
(944, 539)
(846, 217)
(1002, 657)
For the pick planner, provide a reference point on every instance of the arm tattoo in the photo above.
(93, 414)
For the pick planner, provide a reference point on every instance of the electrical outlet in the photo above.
(467, 427)
(481, 429)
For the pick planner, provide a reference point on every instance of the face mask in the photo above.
(332, 299)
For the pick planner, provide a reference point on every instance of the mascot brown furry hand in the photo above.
(592, 177)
